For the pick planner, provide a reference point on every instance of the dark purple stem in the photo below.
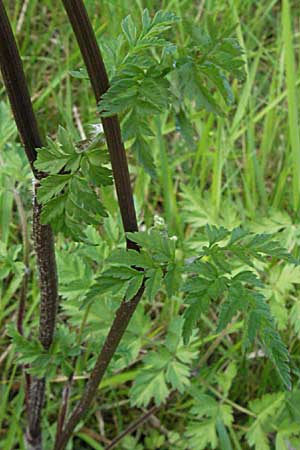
(16, 86)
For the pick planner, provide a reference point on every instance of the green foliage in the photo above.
(140, 88)
(275, 413)
(8, 260)
(155, 74)
(154, 265)
(225, 171)
(219, 273)
(76, 276)
(215, 275)
(204, 64)
(41, 361)
(168, 367)
(69, 193)
(208, 418)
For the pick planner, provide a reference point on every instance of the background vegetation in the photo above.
(243, 168)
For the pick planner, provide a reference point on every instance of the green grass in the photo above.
(293, 119)
(243, 169)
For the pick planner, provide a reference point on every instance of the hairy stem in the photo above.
(45, 253)
(16, 86)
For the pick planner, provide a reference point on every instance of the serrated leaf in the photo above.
(217, 77)
(51, 186)
(265, 409)
(201, 434)
(147, 386)
(215, 234)
(129, 30)
(142, 151)
(172, 279)
(153, 283)
(237, 234)
(53, 210)
(123, 273)
(130, 258)
(134, 286)
(58, 155)
(98, 176)
(159, 245)
(192, 315)
(235, 301)
(226, 378)
(178, 375)
(119, 97)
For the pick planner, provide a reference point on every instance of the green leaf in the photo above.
(212, 278)
(215, 234)
(202, 431)
(192, 315)
(54, 210)
(215, 75)
(226, 378)
(172, 279)
(130, 258)
(81, 74)
(162, 21)
(119, 97)
(58, 155)
(97, 175)
(123, 273)
(142, 151)
(147, 386)
(70, 201)
(178, 375)
(170, 364)
(129, 30)
(153, 283)
(235, 301)
(156, 243)
(134, 286)
(224, 440)
(51, 186)
(265, 410)
(265, 244)
(201, 434)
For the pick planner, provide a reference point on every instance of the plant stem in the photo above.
(95, 66)
(45, 253)
(67, 388)
(15, 83)
(16, 86)
(92, 57)
(118, 328)
(132, 427)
